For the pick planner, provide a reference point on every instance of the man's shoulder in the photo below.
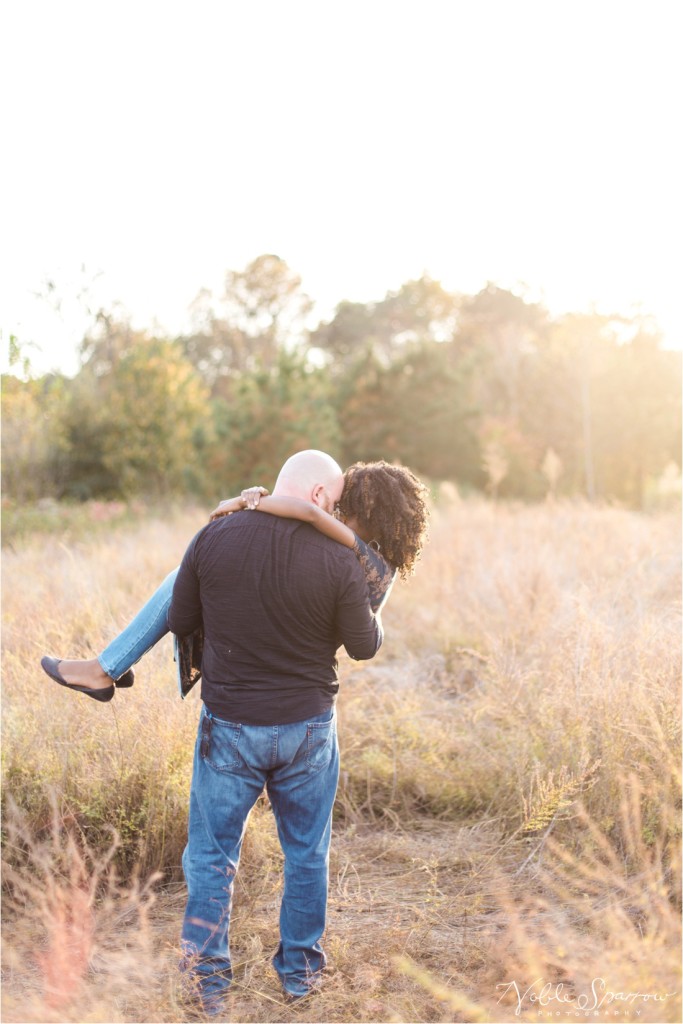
(314, 550)
(233, 528)
(288, 530)
(318, 544)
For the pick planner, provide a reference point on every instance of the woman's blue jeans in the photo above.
(146, 629)
(298, 765)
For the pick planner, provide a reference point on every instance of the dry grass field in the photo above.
(507, 829)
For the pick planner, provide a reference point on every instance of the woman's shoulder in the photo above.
(378, 572)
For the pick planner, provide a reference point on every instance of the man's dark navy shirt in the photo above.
(276, 599)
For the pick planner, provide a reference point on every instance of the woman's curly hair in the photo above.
(391, 504)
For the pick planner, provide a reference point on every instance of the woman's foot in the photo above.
(97, 692)
(85, 673)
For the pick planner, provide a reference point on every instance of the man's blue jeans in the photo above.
(298, 765)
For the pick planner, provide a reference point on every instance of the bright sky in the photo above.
(161, 143)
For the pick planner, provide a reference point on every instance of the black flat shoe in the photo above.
(127, 679)
(50, 666)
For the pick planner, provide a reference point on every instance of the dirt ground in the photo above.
(426, 894)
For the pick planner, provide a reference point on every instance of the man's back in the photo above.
(277, 600)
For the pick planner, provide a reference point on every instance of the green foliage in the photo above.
(157, 402)
(33, 436)
(606, 398)
(415, 410)
(136, 428)
(636, 410)
(69, 520)
(511, 458)
(404, 767)
(419, 311)
(487, 391)
(147, 808)
(270, 413)
(86, 412)
(261, 309)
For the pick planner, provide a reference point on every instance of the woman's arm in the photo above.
(288, 508)
(225, 508)
(307, 512)
(378, 573)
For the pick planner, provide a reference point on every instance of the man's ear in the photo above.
(318, 495)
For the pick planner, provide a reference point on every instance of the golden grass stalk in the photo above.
(65, 907)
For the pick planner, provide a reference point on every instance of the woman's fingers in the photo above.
(251, 496)
(248, 499)
(220, 510)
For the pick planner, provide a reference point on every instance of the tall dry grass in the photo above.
(535, 657)
(509, 802)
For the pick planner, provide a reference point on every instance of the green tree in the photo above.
(349, 335)
(503, 443)
(108, 340)
(558, 400)
(604, 395)
(637, 416)
(34, 441)
(415, 410)
(86, 423)
(501, 331)
(262, 310)
(420, 310)
(271, 412)
(139, 427)
(159, 411)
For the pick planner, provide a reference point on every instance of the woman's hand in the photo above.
(252, 496)
(224, 508)
(249, 498)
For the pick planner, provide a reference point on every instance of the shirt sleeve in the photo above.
(358, 628)
(379, 575)
(185, 613)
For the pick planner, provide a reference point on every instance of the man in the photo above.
(276, 599)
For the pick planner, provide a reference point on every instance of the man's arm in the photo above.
(185, 613)
(358, 629)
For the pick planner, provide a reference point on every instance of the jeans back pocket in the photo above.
(219, 744)
(320, 738)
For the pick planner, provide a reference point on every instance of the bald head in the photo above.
(313, 476)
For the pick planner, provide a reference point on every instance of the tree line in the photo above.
(488, 391)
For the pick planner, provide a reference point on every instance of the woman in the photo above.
(383, 518)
